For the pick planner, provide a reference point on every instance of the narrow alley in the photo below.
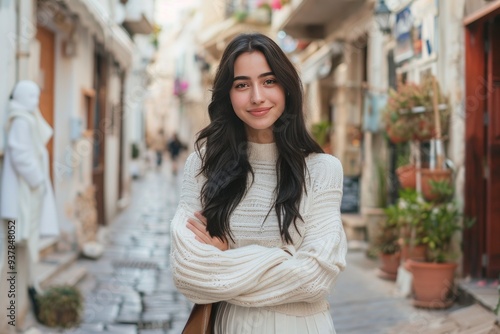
(129, 290)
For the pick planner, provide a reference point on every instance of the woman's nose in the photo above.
(257, 96)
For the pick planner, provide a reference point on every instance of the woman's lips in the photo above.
(259, 111)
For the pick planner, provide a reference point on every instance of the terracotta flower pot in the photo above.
(432, 283)
(426, 131)
(394, 138)
(407, 176)
(374, 218)
(416, 253)
(327, 148)
(434, 175)
(389, 264)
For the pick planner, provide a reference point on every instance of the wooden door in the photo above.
(46, 38)
(492, 161)
(482, 140)
(475, 183)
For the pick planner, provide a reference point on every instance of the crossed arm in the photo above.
(206, 271)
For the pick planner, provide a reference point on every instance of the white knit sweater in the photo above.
(259, 270)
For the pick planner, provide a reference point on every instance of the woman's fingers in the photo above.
(199, 231)
(202, 218)
(199, 228)
(219, 243)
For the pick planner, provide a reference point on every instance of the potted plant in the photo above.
(406, 171)
(388, 246)
(321, 133)
(135, 163)
(407, 215)
(409, 115)
(497, 308)
(60, 306)
(373, 213)
(437, 190)
(398, 129)
(433, 278)
(434, 182)
(261, 15)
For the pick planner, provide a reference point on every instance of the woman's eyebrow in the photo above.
(243, 77)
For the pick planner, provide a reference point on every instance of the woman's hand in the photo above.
(199, 228)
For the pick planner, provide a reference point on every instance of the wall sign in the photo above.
(350, 197)
(402, 32)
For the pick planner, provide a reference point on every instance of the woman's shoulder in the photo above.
(193, 162)
(323, 161)
(325, 169)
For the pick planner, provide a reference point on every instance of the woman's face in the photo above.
(257, 98)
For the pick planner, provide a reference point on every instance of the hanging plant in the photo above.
(409, 112)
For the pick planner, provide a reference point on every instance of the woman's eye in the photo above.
(270, 81)
(240, 85)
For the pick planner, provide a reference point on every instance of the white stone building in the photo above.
(90, 60)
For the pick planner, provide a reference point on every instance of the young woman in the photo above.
(258, 225)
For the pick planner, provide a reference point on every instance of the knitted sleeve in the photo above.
(311, 272)
(201, 272)
(259, 276)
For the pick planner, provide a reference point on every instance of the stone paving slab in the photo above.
(122, 329)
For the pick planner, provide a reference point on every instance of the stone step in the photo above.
(52, 264)
(484, 291)
(72, 275)
(46, 246)
(354, 227)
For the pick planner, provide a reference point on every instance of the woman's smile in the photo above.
(259, 112)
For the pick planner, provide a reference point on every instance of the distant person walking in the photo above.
(175, 146)
(158, 147)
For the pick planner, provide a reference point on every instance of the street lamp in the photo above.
(382, 15)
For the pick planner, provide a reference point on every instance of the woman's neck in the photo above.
(260, 137)
(262, 152)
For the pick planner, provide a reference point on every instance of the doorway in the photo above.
(47, 39)
(482, 180)
(97, 126)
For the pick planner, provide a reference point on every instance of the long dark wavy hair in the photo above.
(225, 160)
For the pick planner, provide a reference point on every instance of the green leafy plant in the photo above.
(442, 189)
(441, 221)
(60, 306)
(320, 132)
(408, 215)
(387, 240)
(265, 6)
(382, 184)
(403, 155)
(240, 15)
(135, 151)
(155, 36)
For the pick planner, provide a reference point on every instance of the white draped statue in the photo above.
(26, 194)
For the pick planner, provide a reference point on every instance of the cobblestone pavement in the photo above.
(363, 303)
(129, 290)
